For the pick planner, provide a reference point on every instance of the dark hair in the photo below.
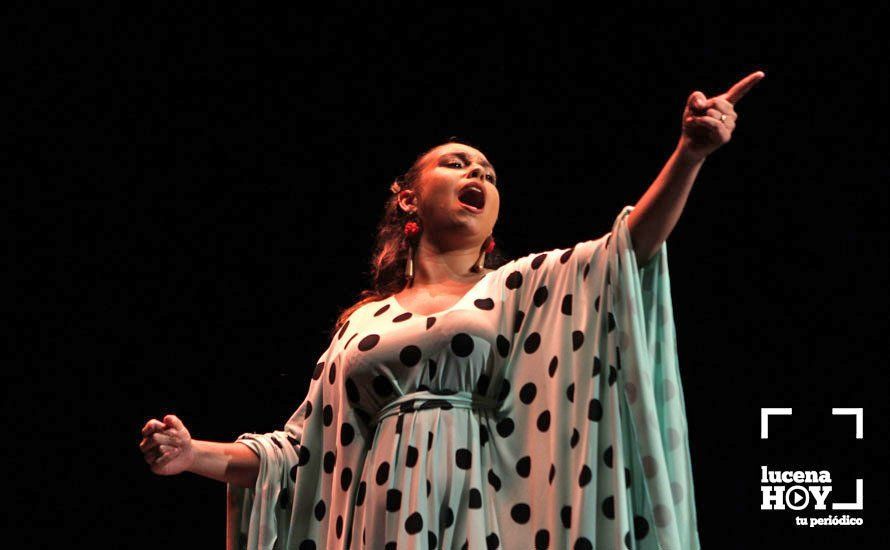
(391, 247)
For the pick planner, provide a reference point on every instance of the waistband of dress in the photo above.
(423, 399)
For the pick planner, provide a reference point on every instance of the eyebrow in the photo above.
(466, 158)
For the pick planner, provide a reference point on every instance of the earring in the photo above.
(488, 246)
(412, 230)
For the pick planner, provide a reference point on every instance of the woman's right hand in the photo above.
(167, 446)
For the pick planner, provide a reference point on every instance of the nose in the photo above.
(477, 172)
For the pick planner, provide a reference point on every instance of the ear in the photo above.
(407, 199)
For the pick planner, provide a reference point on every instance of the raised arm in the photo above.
(707, 124)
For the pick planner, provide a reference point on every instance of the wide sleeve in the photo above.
(591, 378)
(264, 511)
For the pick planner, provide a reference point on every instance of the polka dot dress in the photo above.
(544, 409)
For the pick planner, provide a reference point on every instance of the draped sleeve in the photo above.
(591, 377)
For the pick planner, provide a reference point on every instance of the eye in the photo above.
(491, 178)
(455, 163)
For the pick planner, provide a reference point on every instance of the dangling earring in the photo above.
(488, 246)
(412, 229)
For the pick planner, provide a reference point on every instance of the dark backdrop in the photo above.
(209, 185)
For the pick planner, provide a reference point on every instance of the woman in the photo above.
(467, 402)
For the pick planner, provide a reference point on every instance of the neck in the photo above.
(434, 266)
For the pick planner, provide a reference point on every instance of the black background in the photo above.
(202, 190)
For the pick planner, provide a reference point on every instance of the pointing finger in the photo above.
(740, 88)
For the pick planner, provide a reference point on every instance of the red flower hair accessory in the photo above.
(411, 229)
(490, 246)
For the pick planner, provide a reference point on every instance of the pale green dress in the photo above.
(544, 409)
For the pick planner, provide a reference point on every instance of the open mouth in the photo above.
(472, 195)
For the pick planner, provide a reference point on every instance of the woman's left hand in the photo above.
(708, 122)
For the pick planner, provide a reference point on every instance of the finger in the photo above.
(704, 122)
(147, 444)
(743, 86)
(152, 426)
(167, 455)
(724, 106)
(152, 456)
(697, 100)
(173, 421)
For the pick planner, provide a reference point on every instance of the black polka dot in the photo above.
(432, 539)
(611, 322)
(483, 435)
(575, 437)
(566, 255)
(570, 392)
(283, 498)
(596, 303)
(332, 373)
(320, 509)
(503, 345)
(462, 344)
(544, 421)
(463, 458)
(641, 527)
(347, 434)
(532, 342)
(330, 459)
(351, 391)
(524, 466)
(552, 474)
(521, 513)
(307, 544)
(627, 540)
(293, 440)
(414, 523)
(446, 517)
(482, 384)
(494, 480)
(485, 304)
(513, 281)
(527, 393)
(583, 543)
(597, 366)
(431, 368)
(577, 340)
(585, 477)
(609, 507)
(542, 539)
(328, 415)
(319, 368)
(505, 427)
(382, 385)
(539, 259)
(304, 456)
(342, 330)
(429, 441)
(627, 479)
(429, 487)
(566, 516)
(430, 322)
(339, 526)
(345, 478)
(607, 457)
(391, 545)
(360, 494)
(401, 419)
(595, 410)
(368, 342)
(551, 370)
(381, 311)
(382, 473)
(505, 390)
(351, 338)
(613, 375)
(520, 316)
(410, 356)
(393, 500)
(402, 317)
(586, 271)
(411, 458)
(475, 499)
(566, 308)
(540, 296)
(492, 541)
